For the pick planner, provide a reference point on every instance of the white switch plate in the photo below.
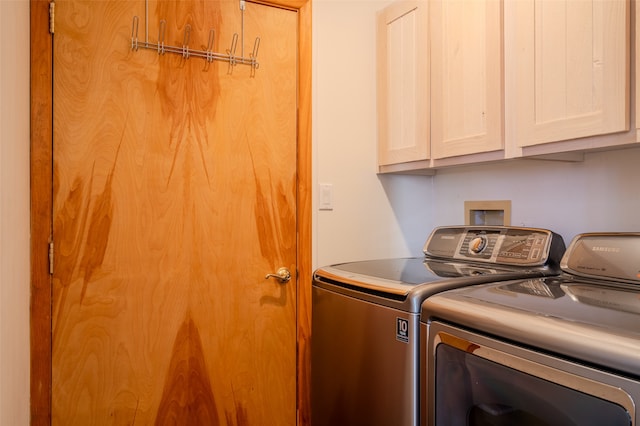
(326, 196)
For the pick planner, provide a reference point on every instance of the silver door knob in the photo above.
(283, 275)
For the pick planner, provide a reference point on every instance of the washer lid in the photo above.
(401, 276)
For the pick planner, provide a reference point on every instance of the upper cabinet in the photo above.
(467, 81)
(571, 66)
(440, 81)
(403, 84)
(466, 77)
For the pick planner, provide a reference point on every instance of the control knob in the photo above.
(477, 244)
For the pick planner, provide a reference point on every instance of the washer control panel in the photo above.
(504, 245)
(479, 244)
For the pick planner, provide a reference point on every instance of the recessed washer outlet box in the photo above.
(494, 212)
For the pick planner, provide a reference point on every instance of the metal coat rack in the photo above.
(208, 55)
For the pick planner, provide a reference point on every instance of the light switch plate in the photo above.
(326, 196)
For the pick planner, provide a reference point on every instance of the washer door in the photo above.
(476, 380)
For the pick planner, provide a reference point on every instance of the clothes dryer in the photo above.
(561, 350)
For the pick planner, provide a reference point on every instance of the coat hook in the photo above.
(232, 52)
(254, 54)
(185, 43)
(134, 33)
(161, 31)
(209, 57)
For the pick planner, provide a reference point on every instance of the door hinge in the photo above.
(50, 257)
(52, 16)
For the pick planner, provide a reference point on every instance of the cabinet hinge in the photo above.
(50, 257)
(52, 16)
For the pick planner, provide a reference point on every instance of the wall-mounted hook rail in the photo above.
(208, 55)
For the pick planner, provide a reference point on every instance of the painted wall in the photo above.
(391, 216)
(372, 216)
(598, 194)
(14, 212)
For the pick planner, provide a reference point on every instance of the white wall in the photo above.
(598, 194)
(14, 212)
(372, 217)
(391, 216)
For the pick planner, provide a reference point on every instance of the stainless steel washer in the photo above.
(560, 350)
(365, 317)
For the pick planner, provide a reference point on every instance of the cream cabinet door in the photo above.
(466, 77)
(572, 69)
(403, 83)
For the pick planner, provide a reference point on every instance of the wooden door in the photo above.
(571, 62)
(174, 196)
(466, 77)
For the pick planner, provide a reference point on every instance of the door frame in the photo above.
(42, 208)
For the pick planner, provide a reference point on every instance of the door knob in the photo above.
(283, 275)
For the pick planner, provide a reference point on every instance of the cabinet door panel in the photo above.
(403, 83)
(572, 62)
(467, 77)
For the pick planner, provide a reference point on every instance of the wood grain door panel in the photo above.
(174, 195)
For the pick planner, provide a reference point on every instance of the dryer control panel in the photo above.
(495, 244)
(612, 256)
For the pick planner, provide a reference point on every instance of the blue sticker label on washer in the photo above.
(402, 329)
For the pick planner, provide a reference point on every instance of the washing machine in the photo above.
(365, 317)
(561, 350)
